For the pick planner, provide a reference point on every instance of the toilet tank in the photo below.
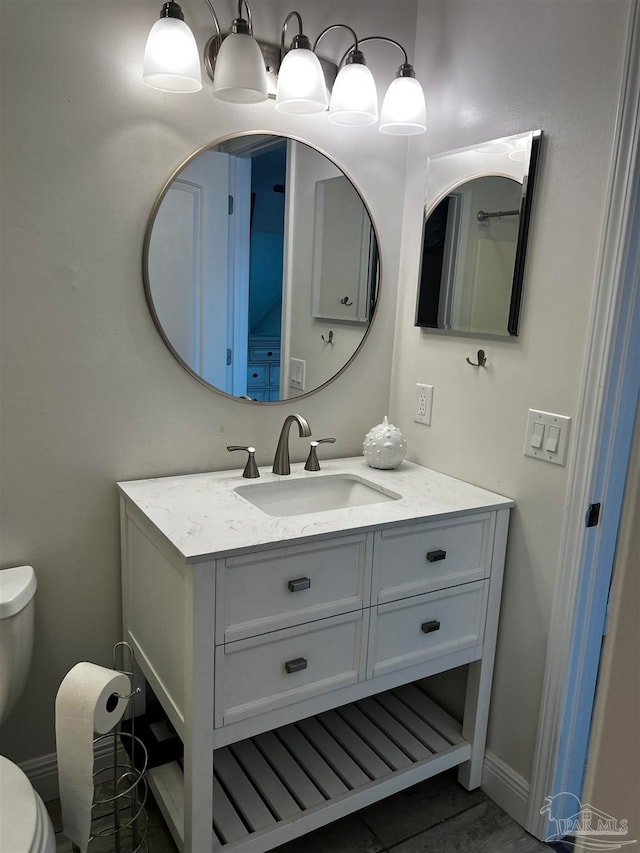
(17, 590)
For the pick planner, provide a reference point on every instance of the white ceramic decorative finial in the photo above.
(384, 446)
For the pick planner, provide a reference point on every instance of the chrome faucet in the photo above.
(281, 459)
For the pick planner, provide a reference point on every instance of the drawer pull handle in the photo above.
(295, 665)
(429, 627)
(434, 556)
(299, 584)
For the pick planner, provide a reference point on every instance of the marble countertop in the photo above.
(202, 516)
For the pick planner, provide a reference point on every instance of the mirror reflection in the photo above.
(261, 267)
(474, 237)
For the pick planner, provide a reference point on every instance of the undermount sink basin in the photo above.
(314, 494)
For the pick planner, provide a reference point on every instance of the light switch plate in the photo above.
(297, 370)
(538, 449)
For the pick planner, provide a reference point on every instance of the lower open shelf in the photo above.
(281, 784)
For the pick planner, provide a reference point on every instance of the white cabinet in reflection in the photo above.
(342, 245)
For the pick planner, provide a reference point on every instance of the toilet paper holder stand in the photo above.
(120, 786)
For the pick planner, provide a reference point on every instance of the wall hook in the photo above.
(482, 359)
(346, 301)
(328, 340)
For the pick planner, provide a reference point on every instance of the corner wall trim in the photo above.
(505, 787)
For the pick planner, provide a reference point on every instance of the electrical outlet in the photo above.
(424, 404)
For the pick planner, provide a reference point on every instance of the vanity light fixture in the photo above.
(235, 64)
(246, 71)
(171, 61)
(240, 74)
(354, 99)
(301, 84)
(404, 112)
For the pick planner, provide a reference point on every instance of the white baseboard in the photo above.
(505, 787)
(42, 772)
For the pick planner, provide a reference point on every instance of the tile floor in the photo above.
(437, 816)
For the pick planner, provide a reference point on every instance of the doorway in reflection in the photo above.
(268, 197)
(216, 260)
(469, 256)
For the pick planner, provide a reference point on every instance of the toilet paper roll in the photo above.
(89, 700)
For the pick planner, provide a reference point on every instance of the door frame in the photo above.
(238, 280)
(609, 394)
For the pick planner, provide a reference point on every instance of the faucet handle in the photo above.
(312, 463)
(250, 469)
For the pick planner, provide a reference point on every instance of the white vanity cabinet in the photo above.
(291, 654)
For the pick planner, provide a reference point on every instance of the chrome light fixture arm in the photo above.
(213, 44)
(405, 70)
(285, 25)
(354, 47)
(244, 3)
(216, 22)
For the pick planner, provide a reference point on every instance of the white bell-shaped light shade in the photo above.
(171, 61)
(354, 100)
(240, 75)
(301, 85)
(404, 111)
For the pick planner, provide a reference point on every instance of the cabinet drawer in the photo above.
(257, 375)
(264, 353)
(277, 669)
(275, 589)
(406, 633)
(274, 373)
(418, 559)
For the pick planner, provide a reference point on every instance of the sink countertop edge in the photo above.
(181, 508)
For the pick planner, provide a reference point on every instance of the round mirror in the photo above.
(261, 267)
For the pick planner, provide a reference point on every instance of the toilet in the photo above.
(24, 820)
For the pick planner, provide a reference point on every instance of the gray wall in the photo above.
(90, 395)
(496, 67)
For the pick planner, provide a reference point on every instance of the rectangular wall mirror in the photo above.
(474, 237)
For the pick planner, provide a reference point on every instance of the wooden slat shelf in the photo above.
(275, 786)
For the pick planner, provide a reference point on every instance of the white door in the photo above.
(190, 267)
